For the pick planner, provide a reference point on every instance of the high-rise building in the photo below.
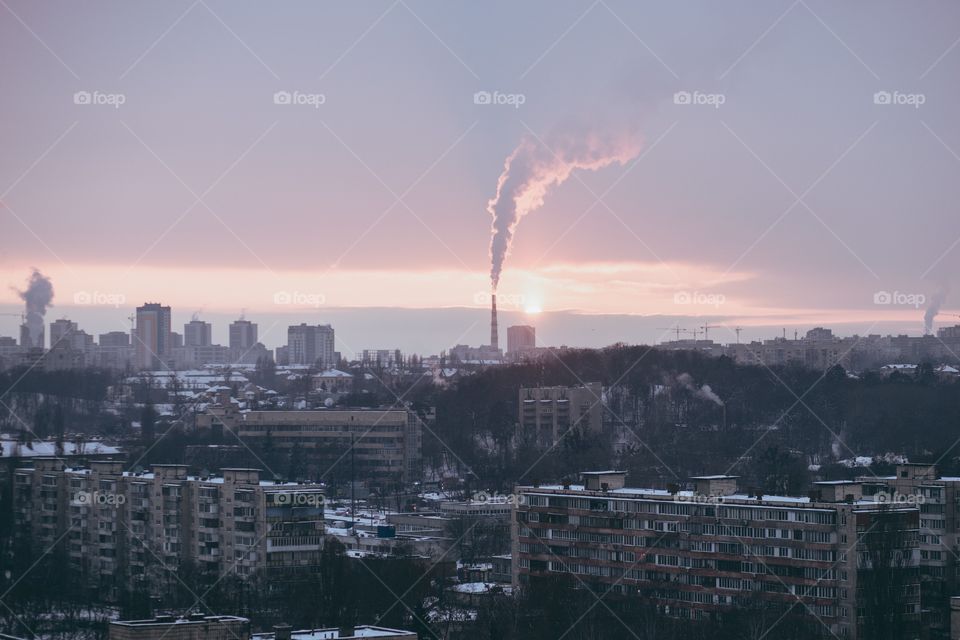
(152, 340)
(836, 556)
(114, 350)
(243, 335)
(60, 329)
(311, 345)
(521, 337)
(197, 333)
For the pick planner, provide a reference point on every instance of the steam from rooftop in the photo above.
(536, 166)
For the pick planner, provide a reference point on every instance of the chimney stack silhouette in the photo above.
(494, 338)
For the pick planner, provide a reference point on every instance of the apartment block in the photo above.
(938, 499)
(549, 413)
(382, 445)
(120, 529)
(698, 553)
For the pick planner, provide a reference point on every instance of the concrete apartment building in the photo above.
(152, 338)
(698, 553)
(311, 345)
(938, 499)
(386, 442)
(121, 529)
(197, 333)
(520, 337)
(548, 413)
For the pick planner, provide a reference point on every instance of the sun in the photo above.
(532, 309)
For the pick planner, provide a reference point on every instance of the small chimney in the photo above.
(494, 338)
(281, 632)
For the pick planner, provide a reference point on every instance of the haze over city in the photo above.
(488, 320)
(209, 196)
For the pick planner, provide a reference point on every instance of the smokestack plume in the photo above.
(936, 301)
(37, 297)
(494, 337)
(534, 168)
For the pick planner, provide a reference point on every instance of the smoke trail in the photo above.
(38, 295)
(534, 167)
(704, 392)
(936, 301)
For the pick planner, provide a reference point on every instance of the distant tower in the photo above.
(494, 339)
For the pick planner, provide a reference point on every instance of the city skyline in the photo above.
(717, 199)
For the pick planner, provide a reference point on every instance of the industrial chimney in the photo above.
(494, 339)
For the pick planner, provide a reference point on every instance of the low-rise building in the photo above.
(549, 413)
(192, 627)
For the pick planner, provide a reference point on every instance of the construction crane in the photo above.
(695, 332)
(706, 329)
(675, 328)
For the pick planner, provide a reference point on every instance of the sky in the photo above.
(333, 162)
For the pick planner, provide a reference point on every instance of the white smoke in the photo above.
(37, 297)
(936, 301)
(534, 167)
(704, 392)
